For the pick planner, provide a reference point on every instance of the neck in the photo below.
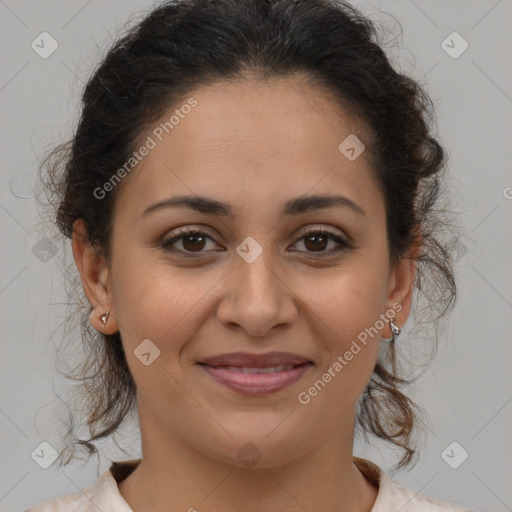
(172, 475)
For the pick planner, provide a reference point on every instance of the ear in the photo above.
(94, 273)
(401, 285)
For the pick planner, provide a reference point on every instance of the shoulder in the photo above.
(102, 495)
(393, 496)
(408, 500)
(77, 502)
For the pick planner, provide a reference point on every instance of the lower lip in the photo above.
(256, 383)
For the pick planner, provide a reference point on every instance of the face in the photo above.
(261, 273)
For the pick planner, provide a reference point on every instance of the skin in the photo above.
(253, 145)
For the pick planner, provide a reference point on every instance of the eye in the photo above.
(192, 241)
(315, 240)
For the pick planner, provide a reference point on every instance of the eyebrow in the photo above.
(294, 206)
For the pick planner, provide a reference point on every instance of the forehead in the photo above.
(250, 141)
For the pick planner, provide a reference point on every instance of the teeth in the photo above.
(269, 369)
(257, 370)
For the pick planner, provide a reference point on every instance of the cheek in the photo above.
(347, 312)
(158, 302)
(349, 304)
(348, 328)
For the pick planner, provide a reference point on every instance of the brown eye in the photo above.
(191, 242)
(317, 241)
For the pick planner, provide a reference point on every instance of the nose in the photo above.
(256, 297)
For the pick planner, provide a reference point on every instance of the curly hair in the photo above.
(182, 45)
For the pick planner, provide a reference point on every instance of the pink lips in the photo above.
(237, 370)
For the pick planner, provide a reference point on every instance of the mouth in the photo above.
(256, 374)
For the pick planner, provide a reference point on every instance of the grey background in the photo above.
(468, 391)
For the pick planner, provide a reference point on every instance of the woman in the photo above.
(250, 196)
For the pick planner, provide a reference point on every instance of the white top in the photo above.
(104, 495)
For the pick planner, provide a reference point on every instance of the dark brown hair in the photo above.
(180, 46)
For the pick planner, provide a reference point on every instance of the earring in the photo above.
(395, 330)
(104, 318)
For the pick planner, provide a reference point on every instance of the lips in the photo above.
(256, 374)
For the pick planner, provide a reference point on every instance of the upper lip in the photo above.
(251, 360)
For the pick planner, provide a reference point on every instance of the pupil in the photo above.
(196, 245)
(317, 245)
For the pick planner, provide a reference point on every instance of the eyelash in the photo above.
(167, 244)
